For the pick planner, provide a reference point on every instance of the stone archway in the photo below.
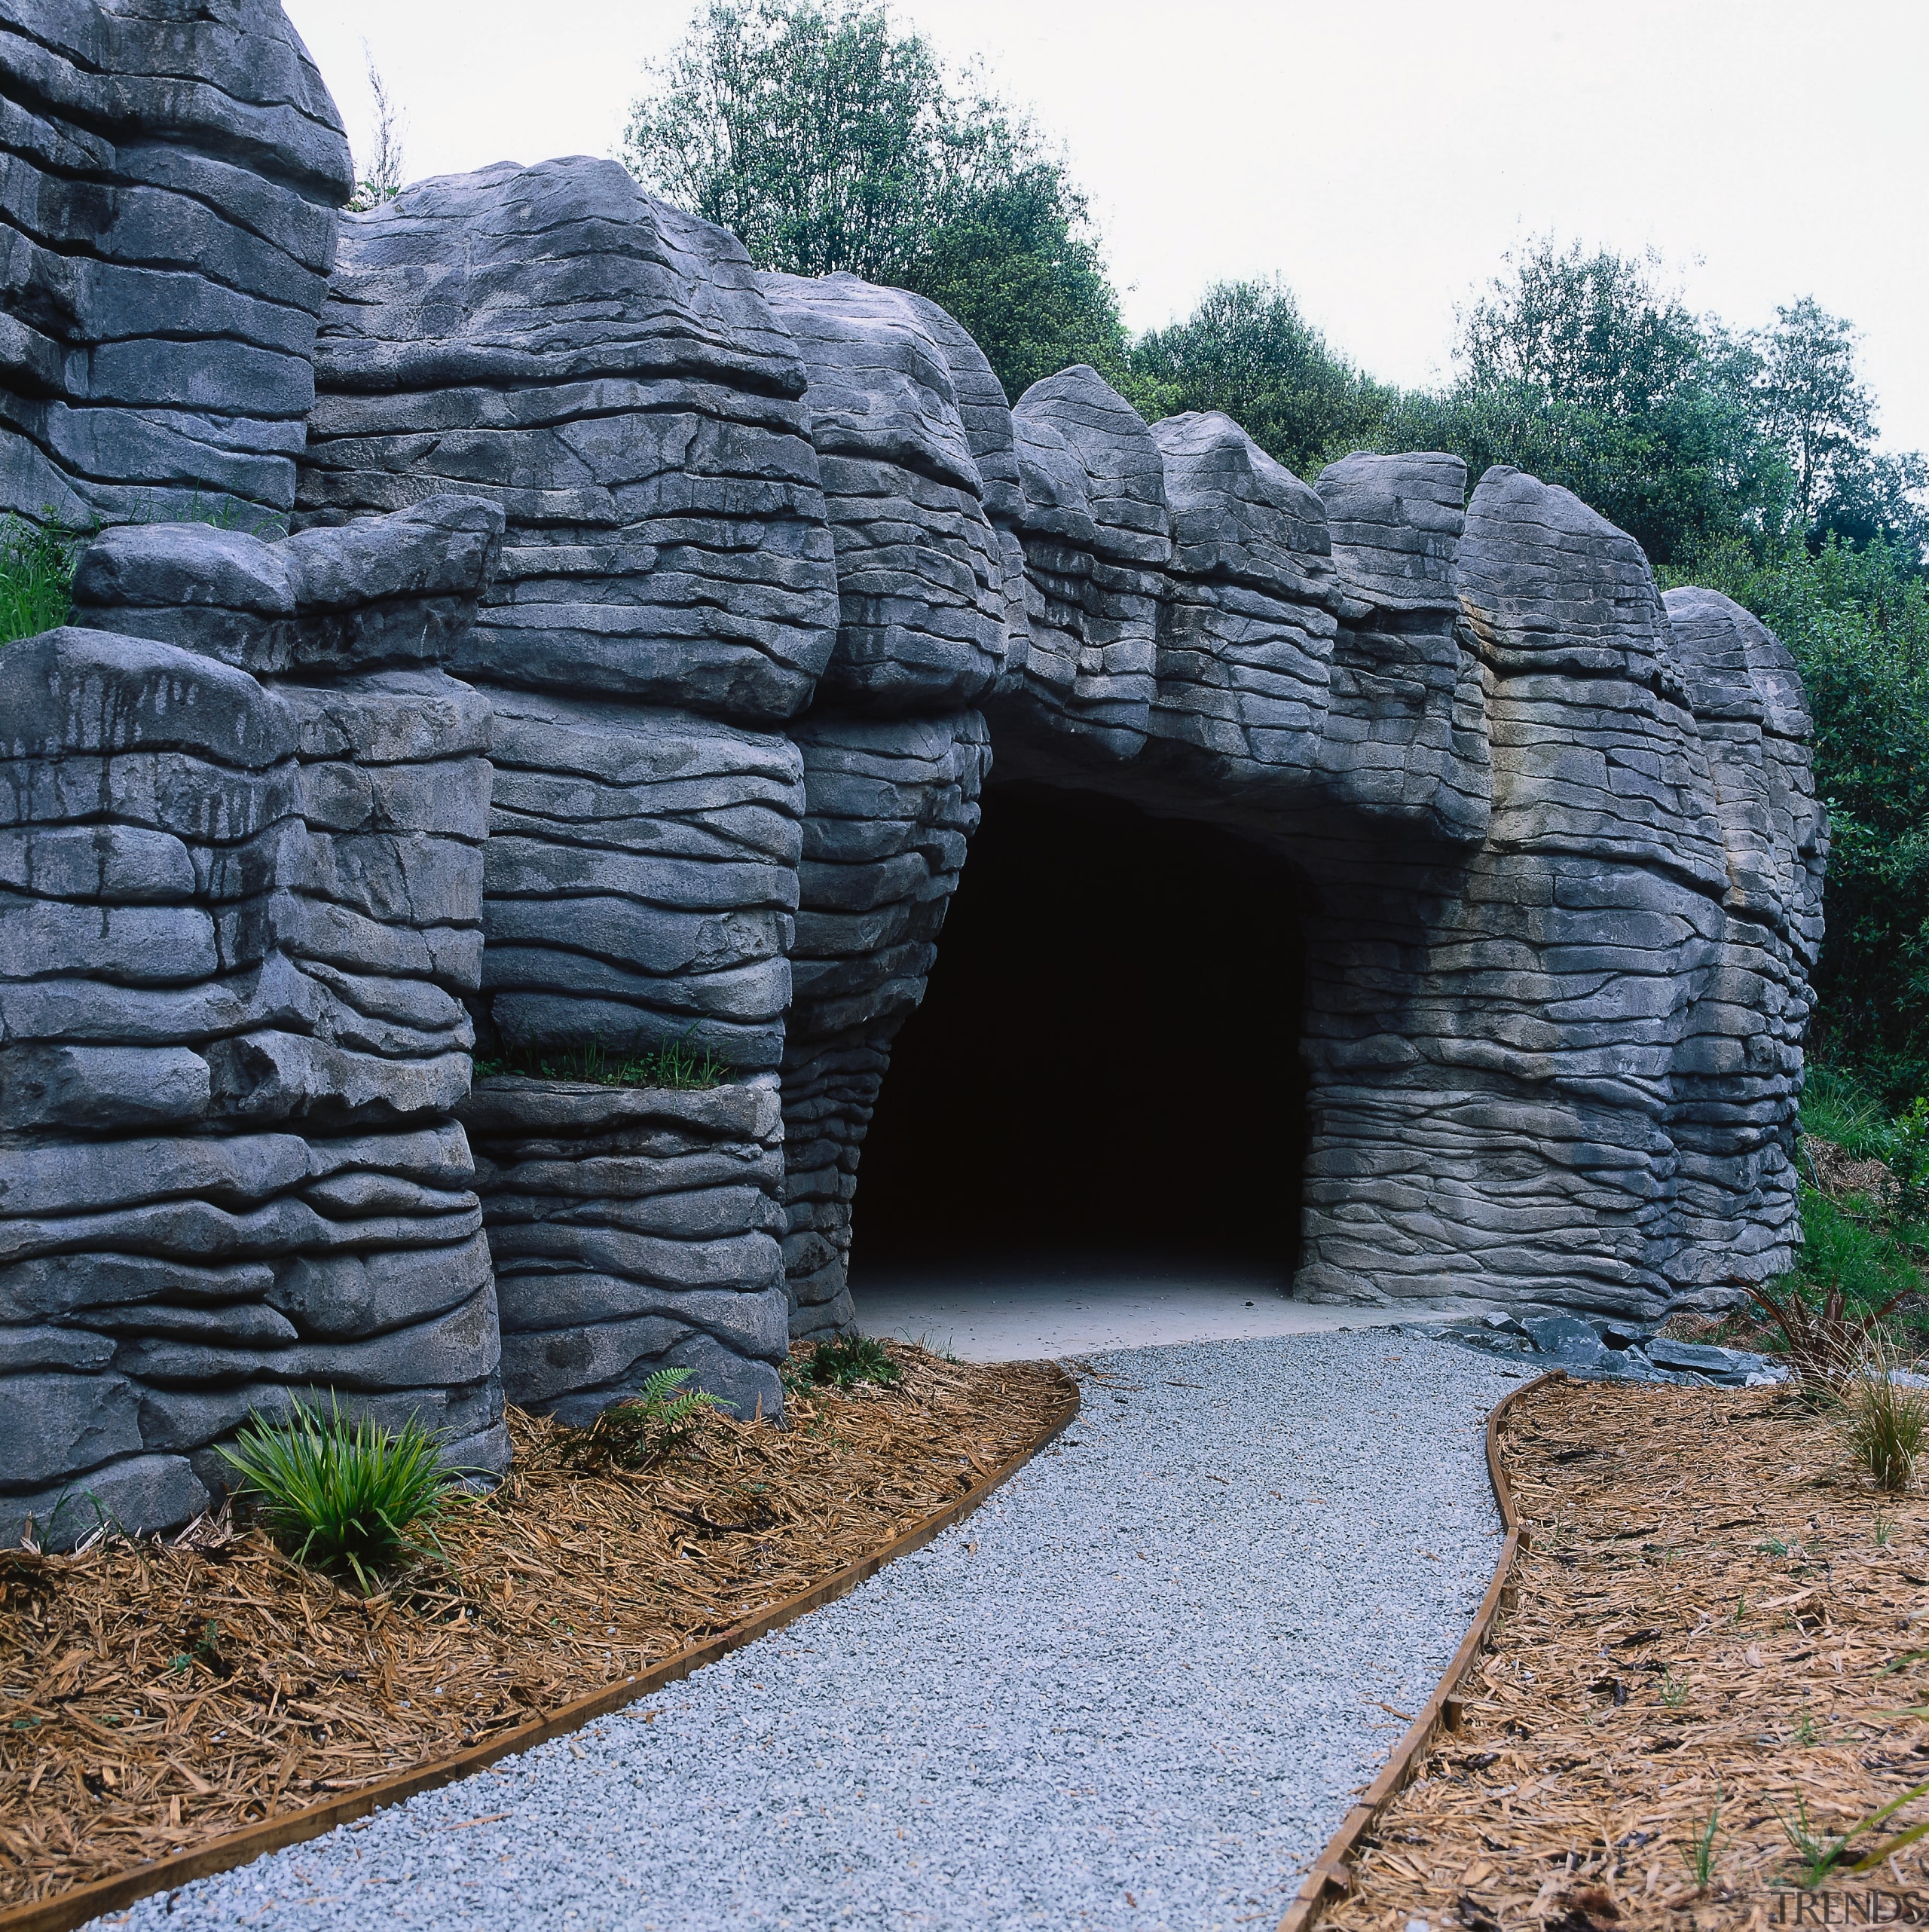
(1106, 1061)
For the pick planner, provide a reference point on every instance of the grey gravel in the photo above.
(1137, 1688)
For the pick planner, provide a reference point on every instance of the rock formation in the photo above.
(172, 178)
(240, 913)
(754, 584)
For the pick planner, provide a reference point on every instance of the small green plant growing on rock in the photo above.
(642, 1427)
(845, 1360)
(36, 577)
(681, 1066)
(340, 1495)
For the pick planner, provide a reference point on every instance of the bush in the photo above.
(340, 1496)
(635, 1432)
(1883, 1424)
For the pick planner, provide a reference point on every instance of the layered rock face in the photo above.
(757, 589)
(634, 1229)
(239, 914)
(171, 182)
(607, 371)
(917, 455)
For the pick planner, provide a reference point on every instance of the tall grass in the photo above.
(1883, 1424)
(36, 578)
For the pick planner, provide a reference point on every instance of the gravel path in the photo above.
(1136, 1690)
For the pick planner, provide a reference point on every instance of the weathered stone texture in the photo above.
(605, 369)
(634, 1230)
(921, 573)
(1097, 539)
(889, 809)
(170, 182)
(745, 578)
(239, 917)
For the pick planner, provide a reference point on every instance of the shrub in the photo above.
(1828, 1341)
(635, 1432)
(847, 1360)
(337, 1495)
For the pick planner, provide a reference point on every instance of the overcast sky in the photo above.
(1381, 155)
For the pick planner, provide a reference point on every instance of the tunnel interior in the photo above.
(1106, 1060)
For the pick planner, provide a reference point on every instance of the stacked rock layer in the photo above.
(754, 584)
(242, 909)
(171, 180)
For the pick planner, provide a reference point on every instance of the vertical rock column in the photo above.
(606, 369)
(242, 907)
(1737, 1071)
(1508, 1135)
(902, 418)
(171, 180)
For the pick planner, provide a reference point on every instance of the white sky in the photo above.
(1381, 155)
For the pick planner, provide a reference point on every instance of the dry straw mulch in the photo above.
(154, 1695)
(1714, 1610)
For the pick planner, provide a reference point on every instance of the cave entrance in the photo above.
(1104, 1073)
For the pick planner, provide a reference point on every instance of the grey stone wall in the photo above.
(753, 586)
(634, 1229)
(170, 183)
(240, 911)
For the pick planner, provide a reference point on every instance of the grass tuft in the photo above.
(339, 1496)
(641, 1429)
(845, 1360)
(36, 577)
(681, 1065)
(1883, 1425)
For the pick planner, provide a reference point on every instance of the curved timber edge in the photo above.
(1332, 1875)
(75, 1908)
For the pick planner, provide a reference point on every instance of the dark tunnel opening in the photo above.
(1106, 1061)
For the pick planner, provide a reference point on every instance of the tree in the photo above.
(827, 141)
(1813, 401)
(1246, 350)
(1581, 368)
(383, 180)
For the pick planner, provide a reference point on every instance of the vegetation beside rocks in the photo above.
(156, 1693)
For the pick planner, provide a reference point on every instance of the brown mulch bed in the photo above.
(155, 1694)
(1714, 1610)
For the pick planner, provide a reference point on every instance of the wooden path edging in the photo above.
(1331, 1876)
(75, 1908)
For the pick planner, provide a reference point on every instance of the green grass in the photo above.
(681, 1065)
(345, 1497)
(36, 577)
(1884, 1425)
(847, 1360)
(1838, 1107)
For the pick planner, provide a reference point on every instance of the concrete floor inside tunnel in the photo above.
(1092, 1130)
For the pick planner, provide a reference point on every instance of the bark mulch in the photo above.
(155, 1694)
(1717, 1617)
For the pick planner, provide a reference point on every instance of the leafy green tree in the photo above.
(1246, 350)
(1581, 368)
(1857, 622)
(827, 141)
(1812, 401)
